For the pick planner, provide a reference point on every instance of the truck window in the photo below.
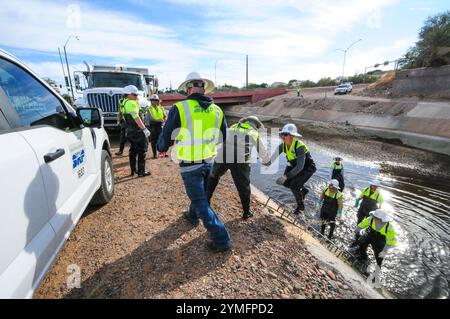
(111, 79)
(32, 103)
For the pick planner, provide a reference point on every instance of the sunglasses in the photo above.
(284, 134)
(196, 85)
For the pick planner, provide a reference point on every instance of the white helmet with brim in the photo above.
(195, 76)
(381, 214)
(290, 129)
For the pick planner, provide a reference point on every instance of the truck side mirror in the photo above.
(90, 116)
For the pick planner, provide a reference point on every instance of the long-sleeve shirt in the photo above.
(173, 122)
(339, 200)
(300, 160)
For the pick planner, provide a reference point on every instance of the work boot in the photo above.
(247, 215)
(300, 208)
(188, 218)
(217, 249)
(143, 174)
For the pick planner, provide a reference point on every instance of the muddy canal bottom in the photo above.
(419, 266)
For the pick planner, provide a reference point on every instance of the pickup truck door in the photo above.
(63, 148)
(26, 237)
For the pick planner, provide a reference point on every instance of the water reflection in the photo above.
(418, 267)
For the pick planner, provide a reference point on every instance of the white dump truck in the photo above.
(102, 87)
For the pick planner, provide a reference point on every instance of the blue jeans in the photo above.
(195, 184)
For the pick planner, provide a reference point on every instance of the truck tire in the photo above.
(106, 191)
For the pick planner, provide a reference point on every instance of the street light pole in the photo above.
(67, 64)
(345, 54)
(62, 65)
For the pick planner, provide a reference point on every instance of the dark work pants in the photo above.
(377, 246)
(155, 130)
(123, 135)
(138, 150)
(241, 177)
(296, 184)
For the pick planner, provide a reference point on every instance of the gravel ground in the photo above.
(140, 246)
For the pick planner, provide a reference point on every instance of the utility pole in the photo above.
(246, 72)
(345, 54)
(62, 65)
(67, 64)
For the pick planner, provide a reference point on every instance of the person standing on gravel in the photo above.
(123, 126)
(235, 156)
(300, 166)
(156, 118)
(197, 124)
(137, 133)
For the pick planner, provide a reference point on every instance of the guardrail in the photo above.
(286, 213)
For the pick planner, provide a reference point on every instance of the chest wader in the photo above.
(328, 213)
(139, 145)
(296, 183)
(368, 204)
(337, 174)
(376, 240)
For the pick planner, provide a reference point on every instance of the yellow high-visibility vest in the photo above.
(199, 132)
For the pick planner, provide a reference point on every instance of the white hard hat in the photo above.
(131, 89)
(195, 76)
(252, 120)
(154, 97)
(381, 214)
(335, 183)
(375, 182)
(290, 129)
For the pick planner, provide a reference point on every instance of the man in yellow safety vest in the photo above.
(197, 125)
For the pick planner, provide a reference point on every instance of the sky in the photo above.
(284, 39)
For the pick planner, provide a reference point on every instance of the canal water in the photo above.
(419, 266)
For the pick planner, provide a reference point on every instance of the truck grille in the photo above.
(103, 101)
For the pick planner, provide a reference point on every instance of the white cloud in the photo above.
(284, 39)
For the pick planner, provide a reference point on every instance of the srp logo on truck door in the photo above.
(78, 156)
(77, 159)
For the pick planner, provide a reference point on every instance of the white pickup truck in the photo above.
(54, 161)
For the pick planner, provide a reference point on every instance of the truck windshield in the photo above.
(110, 79)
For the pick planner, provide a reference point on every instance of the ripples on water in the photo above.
(418, 267)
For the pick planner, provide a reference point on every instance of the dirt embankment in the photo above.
(424, 125)
(140, 246)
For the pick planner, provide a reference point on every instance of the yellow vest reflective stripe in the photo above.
(245, 128)
(157, 113)
(376, 195)
(199, 132)
(335, 194)
(334, 166)
(291, 152)
(391, 238)
(387, 230)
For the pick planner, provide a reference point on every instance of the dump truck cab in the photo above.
(102, 87)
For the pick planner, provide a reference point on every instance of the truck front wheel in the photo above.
(106, 191)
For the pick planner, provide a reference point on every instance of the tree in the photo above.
(50, 81)
(308, 84)
(326, 82)
(433, 47)
(292, 83)
(253, 86)
(227, 87)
